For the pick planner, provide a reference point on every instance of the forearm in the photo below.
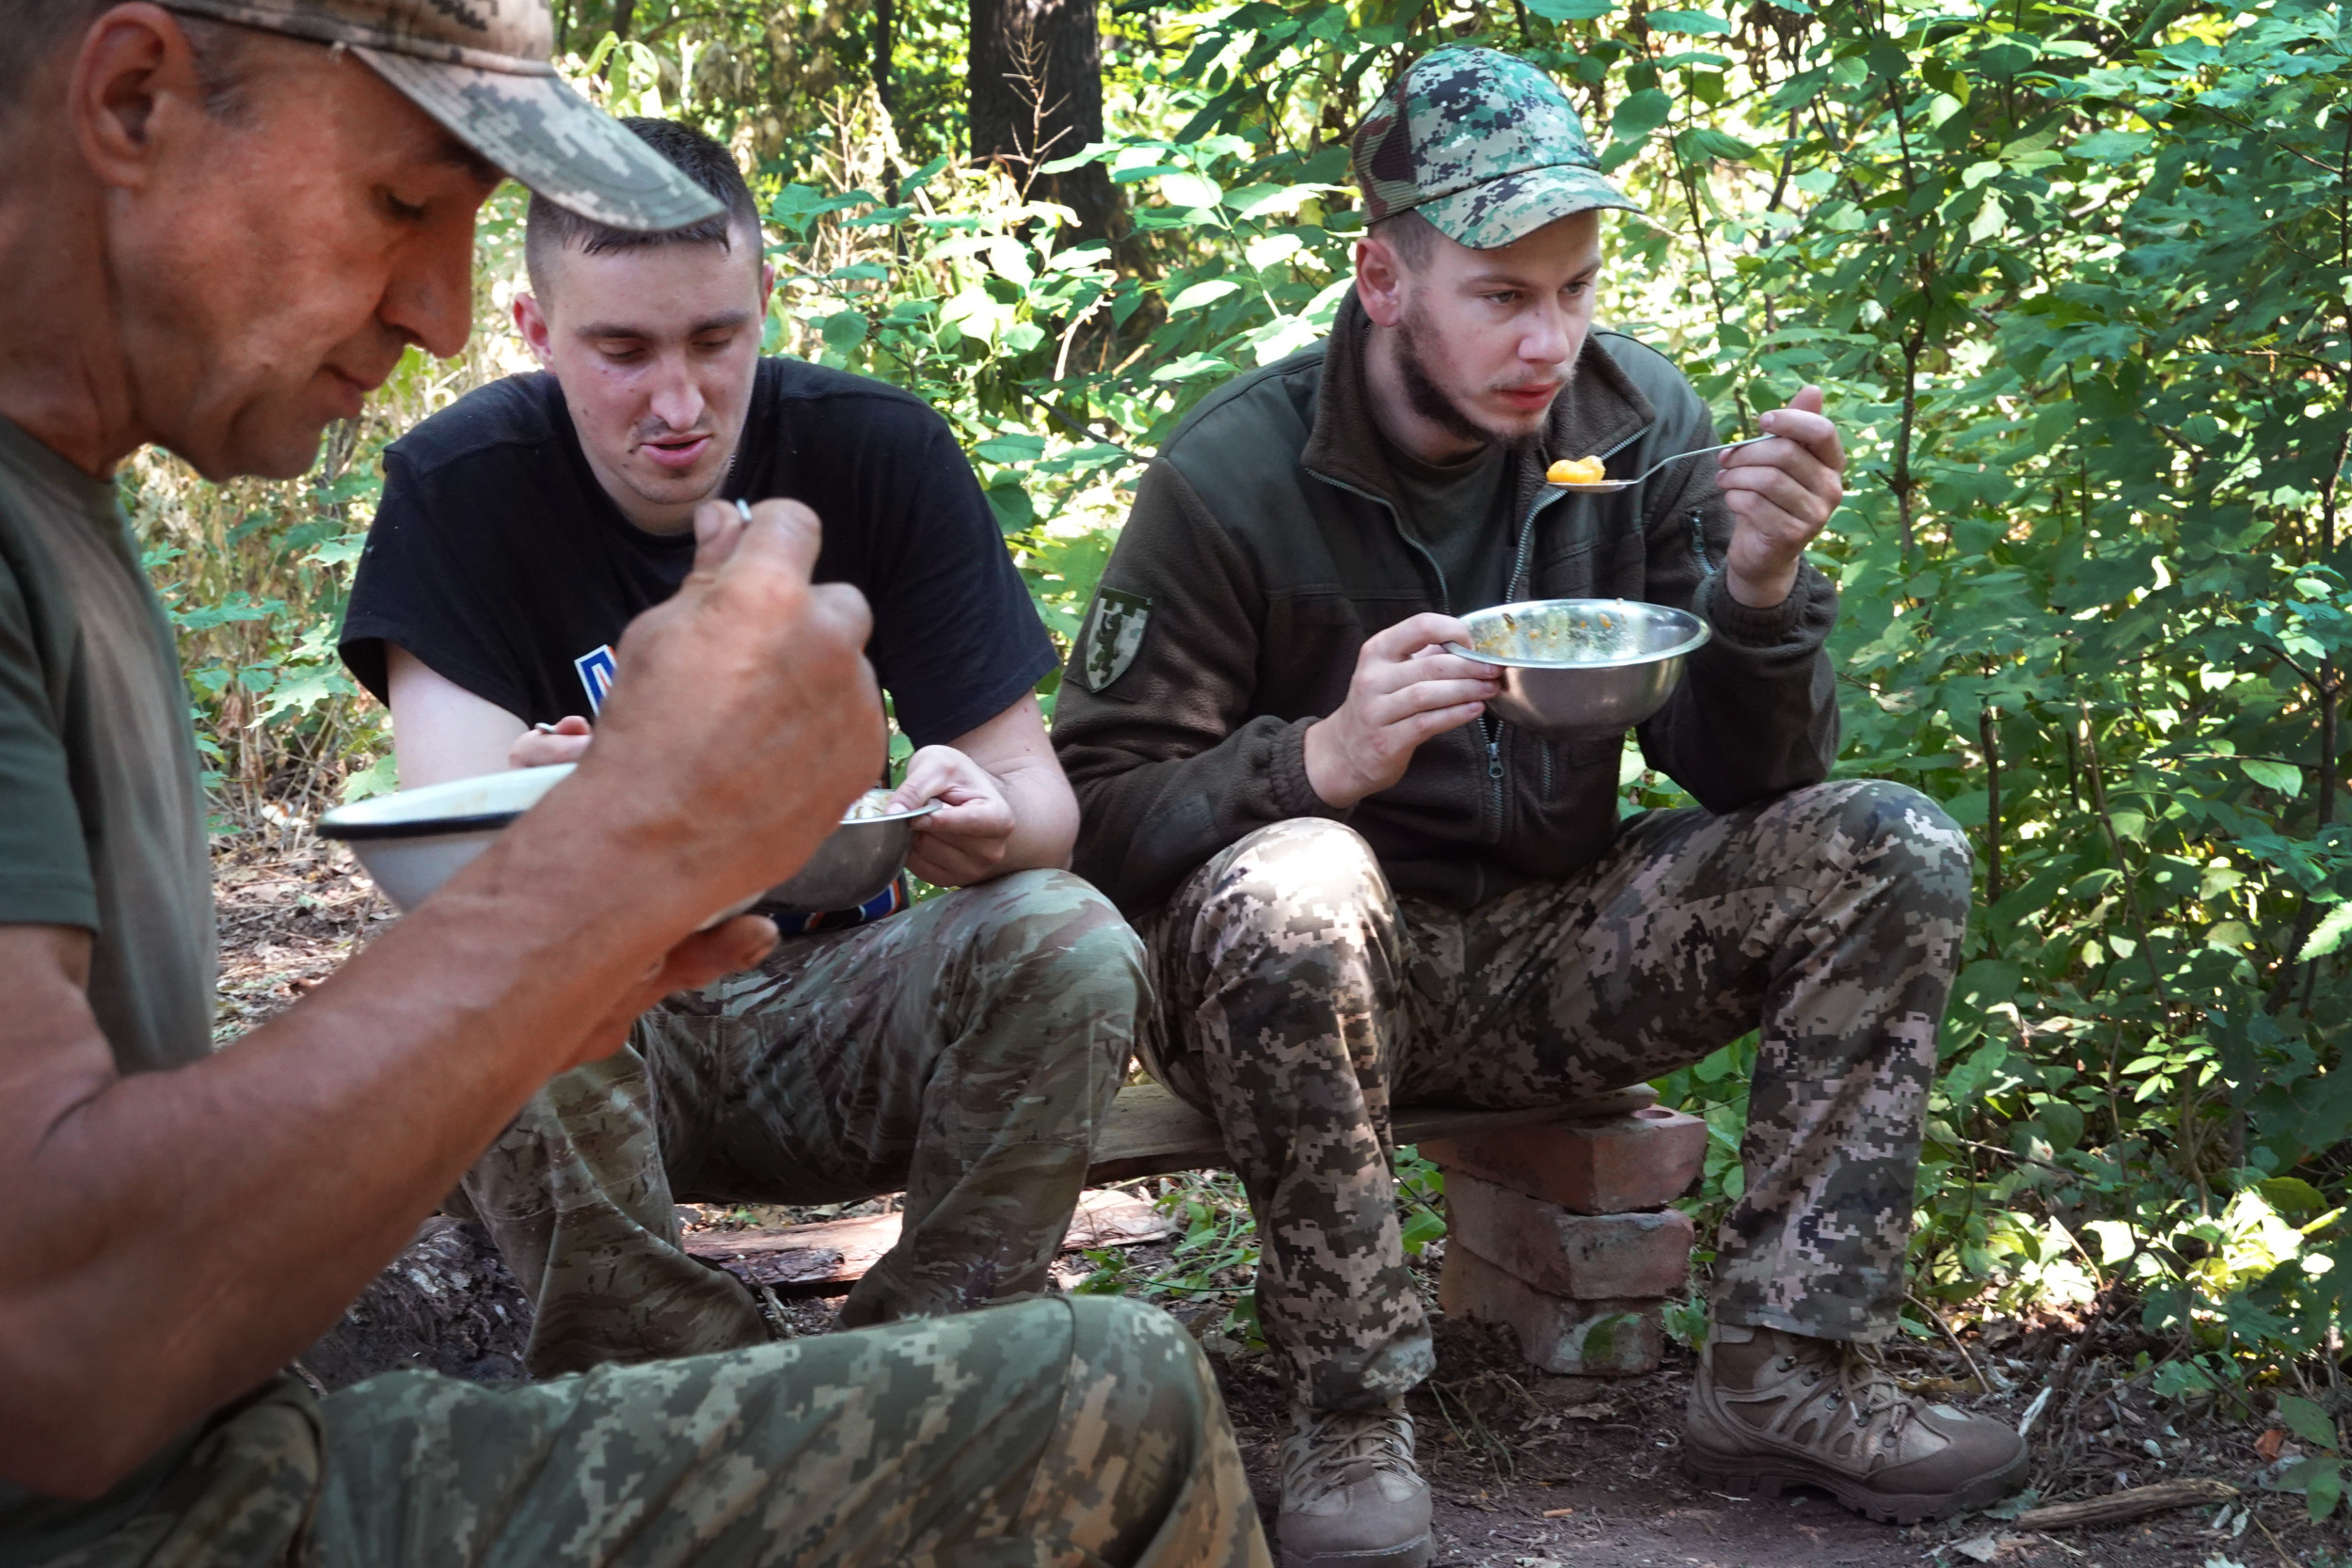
(199, 1227)
(1045, 819)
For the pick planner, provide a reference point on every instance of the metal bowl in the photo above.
(413, 840)
(856, 861)
(1582, 668)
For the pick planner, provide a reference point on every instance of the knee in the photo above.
(1908, 838)
(1052, 935)
(1153, 1367)
(1308, 868)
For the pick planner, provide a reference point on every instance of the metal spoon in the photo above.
(1610, 487)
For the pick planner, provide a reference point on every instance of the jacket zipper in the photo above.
(1515, 587)
(1489, 728)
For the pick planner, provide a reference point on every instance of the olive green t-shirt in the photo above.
(101, 823)
(1461, 514)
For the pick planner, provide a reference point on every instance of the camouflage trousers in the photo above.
(1075, 1432)
(1299, 1000)
(964, 1051)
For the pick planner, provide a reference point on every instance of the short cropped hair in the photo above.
(32, 30)
(1412, 236)
(548, 228)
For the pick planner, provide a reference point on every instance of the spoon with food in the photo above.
(1590, 475)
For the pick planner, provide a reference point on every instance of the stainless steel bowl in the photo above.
(413, 841)
(856, 861)
(1582, 668)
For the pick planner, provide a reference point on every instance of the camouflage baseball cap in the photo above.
(482, 68)
(1482, 145)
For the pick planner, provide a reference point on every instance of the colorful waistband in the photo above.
(889, 901)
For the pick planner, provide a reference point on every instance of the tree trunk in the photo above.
(1035, 94)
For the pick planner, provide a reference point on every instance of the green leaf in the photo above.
(1186, 189)
(1571, 10)
(2111, 146)
(2325, 1488)
(2307, 1421)
(2283, 777)
(1988, 983)
(2329, 935)
(1693, 24)
(2291, 1195)
(1011, 446)
(1192, 364)
(1641, 113)
(2062, 1124)
(843, 331)
(1701, 145)
(380, 777)
(1198, 294)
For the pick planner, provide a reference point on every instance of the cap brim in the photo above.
(1489, 216)
(545, 135)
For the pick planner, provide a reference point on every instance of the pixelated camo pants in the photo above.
(1299, 1000)
(1062, 1432)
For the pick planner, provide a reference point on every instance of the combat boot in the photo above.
(1772, 1409)
(1351, 1498)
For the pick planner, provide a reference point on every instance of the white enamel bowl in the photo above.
(413, 840)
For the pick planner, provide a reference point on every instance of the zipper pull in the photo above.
(1494, 759)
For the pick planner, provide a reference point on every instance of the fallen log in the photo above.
(2135, 1502)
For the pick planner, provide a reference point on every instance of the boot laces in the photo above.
(1332, 1449)
(1863, 1385)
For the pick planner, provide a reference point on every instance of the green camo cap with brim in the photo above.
(482, 68)
(1482, 145)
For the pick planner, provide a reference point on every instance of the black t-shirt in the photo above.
(499, 560)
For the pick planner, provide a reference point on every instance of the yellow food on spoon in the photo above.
(1577, 470)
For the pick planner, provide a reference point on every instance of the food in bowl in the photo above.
(1536, 634)
(1577, 470)
(1582, 668)
(870, 806)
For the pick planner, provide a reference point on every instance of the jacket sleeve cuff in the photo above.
(1760, 628)
(1292, 794)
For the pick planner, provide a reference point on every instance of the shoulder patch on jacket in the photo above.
(1111, 637)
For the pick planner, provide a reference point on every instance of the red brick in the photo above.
(1606, 1337)
(1641, 1160)
(1585, 1257)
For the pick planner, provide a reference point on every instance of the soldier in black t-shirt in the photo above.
(962, 1049)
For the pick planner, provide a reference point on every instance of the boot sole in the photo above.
(1410, 1554)
(1768, 1477)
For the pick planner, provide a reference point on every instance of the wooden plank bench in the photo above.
(1151, 1132)
(1557, 1224)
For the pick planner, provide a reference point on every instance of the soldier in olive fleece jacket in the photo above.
(1265, 547)
(1359, 888)
(1487, 931)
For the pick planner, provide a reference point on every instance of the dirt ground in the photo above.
(1528, 1470)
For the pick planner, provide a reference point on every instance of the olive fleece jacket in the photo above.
(1265, 547)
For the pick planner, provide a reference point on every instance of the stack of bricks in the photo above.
(1563, 1233)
